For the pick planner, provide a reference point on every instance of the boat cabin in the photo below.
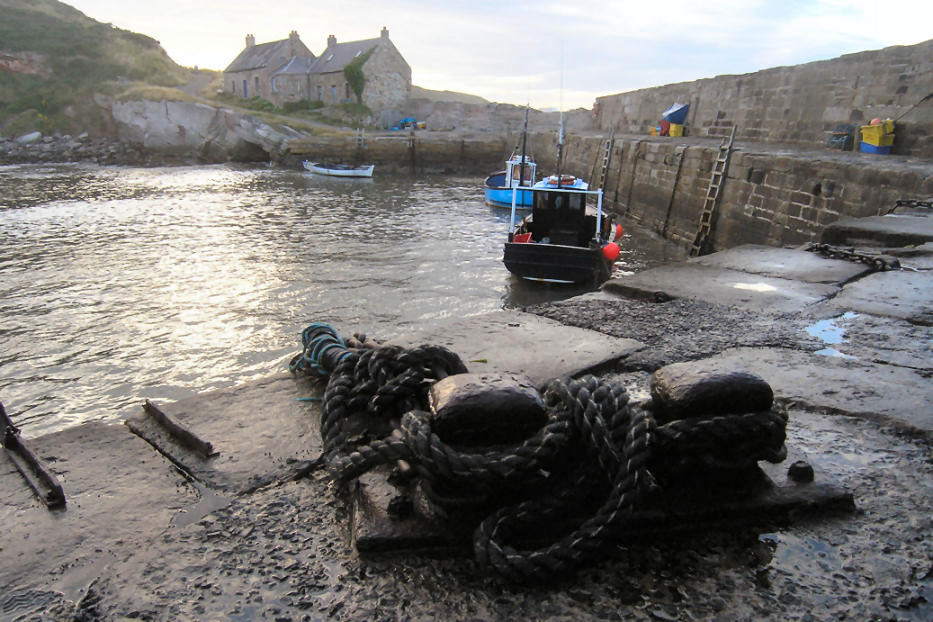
(561, 218)
(513, 171)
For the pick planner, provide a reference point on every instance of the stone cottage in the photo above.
(250, 73)
(286, 71)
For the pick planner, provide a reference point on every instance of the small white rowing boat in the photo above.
(339, 170)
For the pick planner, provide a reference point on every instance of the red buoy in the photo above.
(619, 232)
(611, 251)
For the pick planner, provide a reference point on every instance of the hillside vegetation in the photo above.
(418, 92)
(53, 59)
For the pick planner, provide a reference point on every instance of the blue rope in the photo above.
(318, 339)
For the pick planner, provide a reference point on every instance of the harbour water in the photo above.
(124, 284)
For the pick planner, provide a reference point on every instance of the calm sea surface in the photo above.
(122, 284)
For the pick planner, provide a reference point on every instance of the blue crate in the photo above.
(870, 148)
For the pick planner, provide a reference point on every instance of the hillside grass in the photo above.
(80, 56)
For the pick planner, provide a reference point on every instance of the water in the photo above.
(124, 284)
(829, 332)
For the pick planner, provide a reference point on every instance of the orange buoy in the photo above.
(611, 251)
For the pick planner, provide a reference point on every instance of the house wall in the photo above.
(290, 88)
(256, 79)
(333, 88)
(388, 78)
(798, 104)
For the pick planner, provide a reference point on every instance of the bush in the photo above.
(303, 105)
(258, 103)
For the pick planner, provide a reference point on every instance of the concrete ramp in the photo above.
(898, 294)
(120, 495)
(891, 230)
(261, 432)
(522, 343)
(784, 263)
(723, 286)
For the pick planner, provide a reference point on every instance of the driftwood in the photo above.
(36, 473)
(180, 433)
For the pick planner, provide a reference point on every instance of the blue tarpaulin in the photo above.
(676, 113)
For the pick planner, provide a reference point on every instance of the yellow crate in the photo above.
(676, 130)
(875, 135)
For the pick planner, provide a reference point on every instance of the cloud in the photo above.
(549, 53)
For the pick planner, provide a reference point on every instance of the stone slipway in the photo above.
(262, 432)
(879, 355)
(120, 494)
(524, 343)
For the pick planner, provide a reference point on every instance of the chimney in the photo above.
(250, 41)
(331, 41)
(294, 43)
(384, 33)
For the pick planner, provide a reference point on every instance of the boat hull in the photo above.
(555, 263)
(502, 197)
(358, 171)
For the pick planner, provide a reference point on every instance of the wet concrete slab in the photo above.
(723, 286)
(262, 432)
(784, 263)
(891, 230)
(874, 338)
(522, 343)
(898, 294)
(894, 395)
(918, 257)
(120, 493)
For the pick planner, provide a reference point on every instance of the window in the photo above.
(333, 92)
(256, 84)
(245, 94)
(274, 88)
(320, 94)
(346, 87)
(233, 87)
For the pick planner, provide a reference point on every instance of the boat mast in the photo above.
(560, 132)
(521, 177)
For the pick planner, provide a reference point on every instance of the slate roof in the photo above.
(337, 57)
(295, 66)
(261, 55)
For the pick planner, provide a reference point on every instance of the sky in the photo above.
(548, 54)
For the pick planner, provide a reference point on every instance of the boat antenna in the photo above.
(560, 108)
(521, 178)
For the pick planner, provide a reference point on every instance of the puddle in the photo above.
(829, 332)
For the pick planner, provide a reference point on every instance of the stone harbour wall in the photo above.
(777, 197)
(797, 104)
(772, 197)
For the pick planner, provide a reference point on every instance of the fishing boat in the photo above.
(519, 171)
(564, 239)
(339, 170)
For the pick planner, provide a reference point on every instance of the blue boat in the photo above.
(499, 185)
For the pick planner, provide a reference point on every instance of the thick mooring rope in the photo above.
(596, 452)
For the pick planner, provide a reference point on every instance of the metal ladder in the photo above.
(716, 181)
(607, 158)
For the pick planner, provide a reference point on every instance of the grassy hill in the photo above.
(53, 59)
(418, 92)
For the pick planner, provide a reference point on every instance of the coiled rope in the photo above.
(597, 456)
